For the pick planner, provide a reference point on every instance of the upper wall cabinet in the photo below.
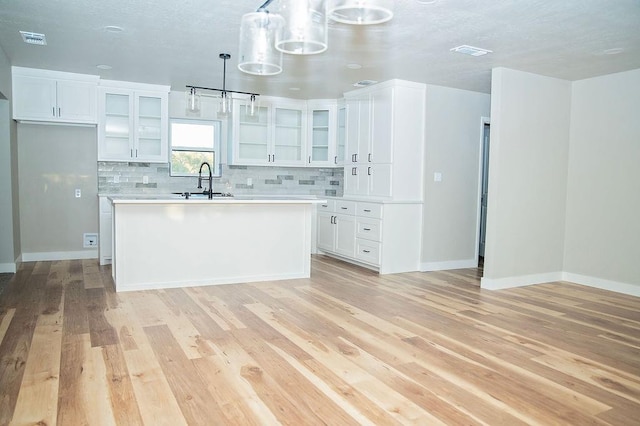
(321, 135)
(52, 96)
(385, 141)
(133, 122)
(273, 135)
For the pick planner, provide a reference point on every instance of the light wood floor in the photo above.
(345, 347)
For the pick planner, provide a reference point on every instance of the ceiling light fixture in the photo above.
(225, 100)
(300, 27)
(360, 12)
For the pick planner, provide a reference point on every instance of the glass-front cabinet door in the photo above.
(251, 135)
(319, 136)
(288, 136)
(149, 144)
(115, 128)
(341, 136)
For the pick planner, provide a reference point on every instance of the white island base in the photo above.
(179, 243)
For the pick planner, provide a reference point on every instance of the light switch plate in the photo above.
(437, 177)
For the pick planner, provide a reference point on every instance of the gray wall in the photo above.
(530, 118)
(603, 204)
(453, 129)
(53, 162)
(9, 212)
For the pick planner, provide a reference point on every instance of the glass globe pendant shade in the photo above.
(304, 31)
(360, 12)
(224, 105)
(258, 55)
(193, 101)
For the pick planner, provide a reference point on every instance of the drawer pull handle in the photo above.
(367, 210)
(366, 251)
(325, 205)
(367, 229)
(344, 208)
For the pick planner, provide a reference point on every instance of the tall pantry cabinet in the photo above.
(383, 173)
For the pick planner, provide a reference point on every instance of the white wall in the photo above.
(530, 116)
(453, 132)
(602, 245)
(53, 162)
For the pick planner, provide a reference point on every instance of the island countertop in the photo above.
(168, 241)
(199, 199)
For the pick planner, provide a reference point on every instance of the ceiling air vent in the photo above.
(470, 50)
(33, 38)
(364, 83)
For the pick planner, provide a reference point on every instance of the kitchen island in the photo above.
(163, 242)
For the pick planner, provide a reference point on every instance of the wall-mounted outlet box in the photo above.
(89, 240)
(78, 193)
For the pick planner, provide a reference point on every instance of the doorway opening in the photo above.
(484, 189)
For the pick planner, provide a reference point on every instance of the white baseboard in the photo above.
(59, 255)
(449, 264)
(625, 288)
(519, 281)
(8, 267)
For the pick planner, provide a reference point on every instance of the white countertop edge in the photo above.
(218, 200)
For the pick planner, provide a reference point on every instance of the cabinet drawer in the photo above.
(369, 210)
(346, 207)
(369, 229)
(329, 206)
(368, 251)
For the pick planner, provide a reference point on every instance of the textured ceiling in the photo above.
(178, 42)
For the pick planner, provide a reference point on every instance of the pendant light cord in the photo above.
(264, 6)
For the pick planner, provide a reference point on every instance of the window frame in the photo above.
(216, 147)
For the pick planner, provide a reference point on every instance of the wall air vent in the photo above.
(470, 50)
(33, 38)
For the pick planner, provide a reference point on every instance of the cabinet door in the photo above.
(351, 179)
(34, 98)
(251, 135)
(364, 131)
(379, 179)
(345, 235)
(381, 126)
(115, 136)
(341, 136)
(150, 142)
(77, 101)
(352, 130)
(288, 137)
(322, 137)
(326, 231)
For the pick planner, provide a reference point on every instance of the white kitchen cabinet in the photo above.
(385, 141)
(341, 135)
(52, 96)
(322, 148)
(133, 123)
(337, 228)
(274, 135)
(384, 236)
(106, 225)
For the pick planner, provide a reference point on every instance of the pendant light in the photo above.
(304, 31)
(224, 107)
(225, 99)
(258, 55)
(360, 12)
(193, 101)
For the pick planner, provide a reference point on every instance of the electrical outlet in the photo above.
(145, 180)
(249, 181)
(116, 179)
(78, 193)
(90, 240)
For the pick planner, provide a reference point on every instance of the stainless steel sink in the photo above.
(201, 195)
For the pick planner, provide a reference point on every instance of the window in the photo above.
(192, 143)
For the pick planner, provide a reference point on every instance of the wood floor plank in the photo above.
(345, 346)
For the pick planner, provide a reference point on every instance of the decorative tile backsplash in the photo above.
(130, 178)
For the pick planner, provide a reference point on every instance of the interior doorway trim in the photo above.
(483, 121)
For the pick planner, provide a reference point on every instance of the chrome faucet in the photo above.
(210, 179)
